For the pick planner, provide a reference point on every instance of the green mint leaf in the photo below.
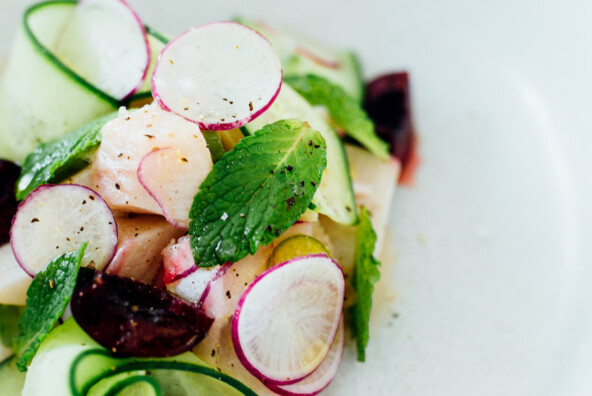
(345, 111)
(366, 274)
(9, 316)
(256, 191)
(54, 161)
(47, 297)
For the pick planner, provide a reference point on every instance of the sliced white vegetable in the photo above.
(106, 44)
(141, 239)
(228, 286)
(178, 260)
(220, 75)
(193, 285)
(286, 321)
(55, 219)
(14, 282)
(322, 376)
(374, 187)
(172, 178)
(127, 139)
(182, 276)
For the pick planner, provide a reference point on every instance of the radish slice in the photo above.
(178, 260)
(173, 178)
(182, 277)
(193, 286)
(220, 75)
(55, 219)
(286, 321)
(106, 44)
(322, 376)
(226, 289)
(127, 139)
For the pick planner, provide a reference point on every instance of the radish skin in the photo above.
(127, 139)
(63, 216)
(106, 43)
(320, 379)
(173, 179)
(300, 299)
(182, 277)
(220, 75)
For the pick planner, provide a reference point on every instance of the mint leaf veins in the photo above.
(47, 297)
(54, 161)
(256, 191)
(345, 111)
(366, 274)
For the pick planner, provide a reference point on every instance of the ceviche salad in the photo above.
(190, 215)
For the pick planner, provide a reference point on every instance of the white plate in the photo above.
(493, 276)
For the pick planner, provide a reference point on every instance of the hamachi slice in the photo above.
(374, 183)
(127, 139)
(141, 239)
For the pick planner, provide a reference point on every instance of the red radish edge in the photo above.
(328, 377)
(235, 338)
(213, 126)
(182, 275)
(302, 51)
(221, 272)
(29, 197)
(148, 50)
(146, 43)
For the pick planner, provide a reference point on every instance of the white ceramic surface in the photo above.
(493, 277)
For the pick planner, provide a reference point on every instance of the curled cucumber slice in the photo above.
(41, 99)
(69, 362)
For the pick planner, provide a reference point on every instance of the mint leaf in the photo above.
(47, 297)
(366, 274)
(256, 191)
(54, 161)
(9, 316)
(345, 111)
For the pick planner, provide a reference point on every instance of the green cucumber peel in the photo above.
(345, 111)
(47, 298)
(44, 51)
(59, 159)
(366, 274)
(256, 191)
(214, 144)
(72, 363)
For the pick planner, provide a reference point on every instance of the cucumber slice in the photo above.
(12, 380)
(334, 197)
(300, 56)
(133, 383)
(69, 362)
(42, 99)
(106, 43)
(157, 41)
